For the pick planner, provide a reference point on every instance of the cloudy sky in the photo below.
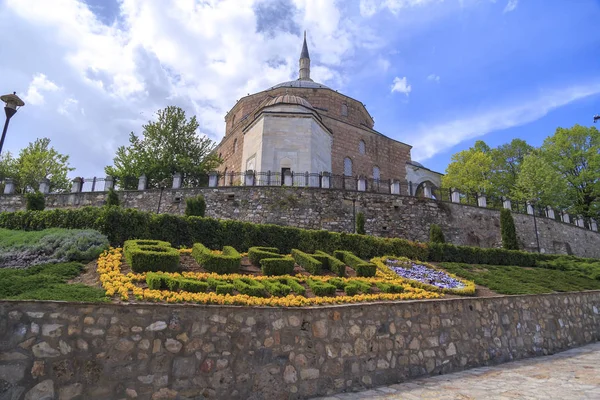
(437, 74)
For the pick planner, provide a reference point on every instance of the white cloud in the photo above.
(511, 5)
(69, 106)
(39, 84)
(368, 8)
(429, 140)
(396, 5)
(384, 63)
(401, 85)
(434, 78)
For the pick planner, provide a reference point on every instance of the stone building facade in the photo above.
(357, 149)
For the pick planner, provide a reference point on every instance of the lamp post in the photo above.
(13, 103)
(596, 118)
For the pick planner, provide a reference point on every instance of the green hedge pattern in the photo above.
(227, 263)
(151, 255)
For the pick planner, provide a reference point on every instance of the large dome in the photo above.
(301, 83)
(289, 99)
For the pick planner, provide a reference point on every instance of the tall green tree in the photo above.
(170, 144)
(470, 170)
(37, 161)
(539, 183)
(575, 154)
(506, 165)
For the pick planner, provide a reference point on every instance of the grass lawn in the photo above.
(518, 280)
(47, 282)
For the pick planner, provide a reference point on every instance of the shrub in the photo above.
(213, 283)
(435, 234)
(156, 281)
(361, 267)
(145, 258)
(360, 223)
(35, 201)
(508, 230)
(390, 287)
(295, 285)
(338, 283)
(226, 263)
(112, 198)
(365, 269)
(321, 288)
(24, 249)
(195, 206)
(277, 266)
(224, 288)
(193, 285)
(331, 263)
(354, 287)
(249, 286)
(255, 254)
(306, 261)
(276, 288)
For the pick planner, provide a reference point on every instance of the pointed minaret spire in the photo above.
(304, 62)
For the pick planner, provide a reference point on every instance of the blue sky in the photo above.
(435, 74)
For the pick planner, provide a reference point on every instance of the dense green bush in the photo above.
(277, 266)
(361, 267)
(255, 254)
(360, 223)
(306, 261)
(366, 269)
(112, 198)
(331, 263)
(35, 201)
(159, 256)
(156, 281)
(435, 234)
(195, 206)
(508, 230)
(193, 285)
(477, 255)
(390, 287)
(249, 286)
(320, 288)
(354, 287)
(296, 287)
(226, 263)
(224, 288)
(24, 249)
(276, 288)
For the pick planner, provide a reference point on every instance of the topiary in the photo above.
(435, 234)
(112, 199)
(195, 206)
(35, 201)
(508, 231)
(360, 223)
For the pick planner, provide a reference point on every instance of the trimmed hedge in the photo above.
(331, 263)
(276, 288)
(295, 285)
(390, 287)
(249, 286)
(321, 288)
(144, 257)
(121, 224)
(307, 261)
(361, 267)
(193, 285)
(226, 263)
(255, 254)
(277, 266)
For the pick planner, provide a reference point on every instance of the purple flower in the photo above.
(424, 274)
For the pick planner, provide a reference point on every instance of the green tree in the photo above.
(470, 170)
(7, 167)
(506, 165)
(435, 234)
(508, 230)
(575, 154)
(169, 145)
(38, 161)
(35, 201)
(539, 183)
(360, 223)
(195, 206)
(112, 198)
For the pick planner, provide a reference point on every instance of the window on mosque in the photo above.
(233, 120)
(235, 145)
(347, 166)
(344, 110)
(362, 149)
(376, 173)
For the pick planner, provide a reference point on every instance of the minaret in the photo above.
(304, 62)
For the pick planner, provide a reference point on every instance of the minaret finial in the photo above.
(305, 62)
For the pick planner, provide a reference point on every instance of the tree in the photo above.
(470, 170)
(7, 167)
(37, 161)
(539, 183)
(360, 223)
(35, 201)
(508, 230)
(435, 234)
(169, 145)
(195, 206)
(506, 165)
(112, 199)
(575, 155)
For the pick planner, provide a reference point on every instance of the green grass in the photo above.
(518, 280)
(47, 282)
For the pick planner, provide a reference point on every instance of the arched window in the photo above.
(347, 166)
(362, 149)
(234, 145)
(221, 156)
(376, 173)
(233, 120)
(344, 110)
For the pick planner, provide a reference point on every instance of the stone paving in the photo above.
(573, 374)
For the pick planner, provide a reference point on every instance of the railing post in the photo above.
(565, 217)
(93, 185)
(455, 195)
(76, 186)
(288, 179)
(142, 182)
(481, 200)
(395, 187)
(306, 178)
(269, 178)
(9, 186)
(362, 184)
(530, 209)
(410, 189)
(506, 203)
(550, 213)
(325, 180)
(109, 183)
(45, 185)
(249, 178)
(579, 222)
(177, 180)
(213, 179)
(427, 191)
(593, 225)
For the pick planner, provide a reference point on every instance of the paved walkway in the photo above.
(573, 374)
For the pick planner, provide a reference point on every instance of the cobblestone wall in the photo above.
(386, 215)
(76, 351)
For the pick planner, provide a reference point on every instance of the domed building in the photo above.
(303, 126)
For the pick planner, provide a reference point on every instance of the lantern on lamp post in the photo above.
(12, 104)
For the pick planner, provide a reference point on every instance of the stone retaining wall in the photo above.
(67, 351)
(386, 215)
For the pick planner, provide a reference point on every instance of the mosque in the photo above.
(303, 126)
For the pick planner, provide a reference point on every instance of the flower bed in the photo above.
(423, 275)
(126, 285)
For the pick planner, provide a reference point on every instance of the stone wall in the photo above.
(386, 215)
(69, 351)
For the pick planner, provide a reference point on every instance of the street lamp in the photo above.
(596, 118)
(13, 103)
